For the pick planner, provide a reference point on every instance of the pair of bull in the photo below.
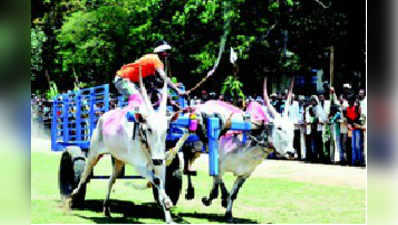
(147, 151)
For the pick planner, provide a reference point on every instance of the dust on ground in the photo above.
(333, 175)
(40, 140)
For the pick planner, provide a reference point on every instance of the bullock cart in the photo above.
(74, 117)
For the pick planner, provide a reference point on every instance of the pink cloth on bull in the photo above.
(227, 141)
(229, 107)
(216, 105)
(112, 123)
(257, 112)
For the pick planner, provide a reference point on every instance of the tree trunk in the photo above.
(47, 77)
(331, 70)
(76, 77)
(331, 65)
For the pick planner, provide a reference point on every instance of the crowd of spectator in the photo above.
(41, 111)
(329, 128)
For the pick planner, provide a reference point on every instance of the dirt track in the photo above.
(334, 175)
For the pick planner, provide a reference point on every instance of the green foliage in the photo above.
(38, 38)
(232, 87)
(206, 57)
(274, 6)
(92, 39)
(79, 85)
(89, 41)
(243, 44)
(290, 3)
(290, 63)
(53, 91)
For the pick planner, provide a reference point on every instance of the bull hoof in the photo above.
(206, 201)
(74, 192)
(228, 217)
(168, 204)
(190, 194)
(107, 212)
(230, 220)
(224, 203)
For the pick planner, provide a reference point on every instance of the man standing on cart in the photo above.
(127, 77)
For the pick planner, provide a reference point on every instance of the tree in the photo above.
(38, 38)
(88, 41)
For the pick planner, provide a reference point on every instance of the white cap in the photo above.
(162, 48)
(346, 85)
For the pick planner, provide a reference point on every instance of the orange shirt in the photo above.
(149, 64)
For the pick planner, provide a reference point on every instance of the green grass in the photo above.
(260, 200)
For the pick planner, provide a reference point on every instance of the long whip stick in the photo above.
(220, 50)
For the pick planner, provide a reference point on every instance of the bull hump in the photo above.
(216, 105)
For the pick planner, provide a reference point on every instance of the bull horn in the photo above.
(267, 101)
(163, 102)
(289, 98)
(144, 93)
(227, 126)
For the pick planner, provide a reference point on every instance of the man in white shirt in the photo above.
(296, 117)
(343, 104)
(314, 128)
(364, 112)
(325, 127)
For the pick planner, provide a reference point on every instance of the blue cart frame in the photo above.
(75, 115)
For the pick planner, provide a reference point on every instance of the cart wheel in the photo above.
(70, 170)
(173, 182)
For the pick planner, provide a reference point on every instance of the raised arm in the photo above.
(334, 96)
(169, 82)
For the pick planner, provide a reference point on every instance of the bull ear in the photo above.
(139, 118)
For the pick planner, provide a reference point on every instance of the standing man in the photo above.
(364, 111)
(362, 101)
(296, 117)
(303, 128)
(313, 117)
(127, 77)
(325, 127)
(353, 113)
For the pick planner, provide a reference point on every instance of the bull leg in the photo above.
(190, 190)
(92, 160)
(224, 194)
(158, 183)
(188, 161)
(213, 193)
(234, 193)
(117, 167)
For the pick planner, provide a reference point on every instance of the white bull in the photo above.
(269, 133)
(145, 151)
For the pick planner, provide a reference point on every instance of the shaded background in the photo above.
(87, 41)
